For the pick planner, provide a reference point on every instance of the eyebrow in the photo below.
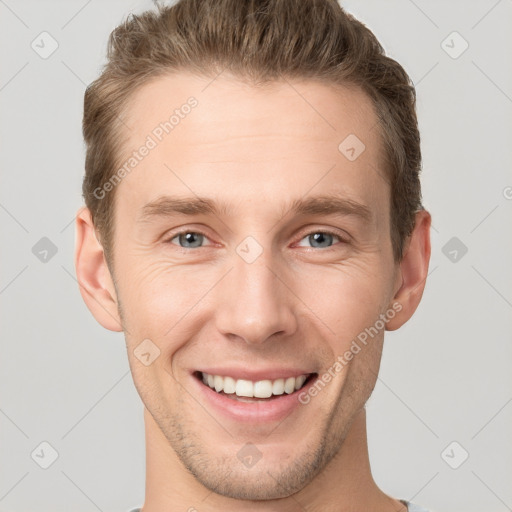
(169, 206)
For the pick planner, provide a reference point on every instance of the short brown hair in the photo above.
(260, 41)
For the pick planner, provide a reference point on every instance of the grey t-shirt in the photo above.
(411, 507)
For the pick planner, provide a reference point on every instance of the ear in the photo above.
(96, 284)
(413, 271)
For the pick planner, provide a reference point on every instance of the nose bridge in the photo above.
(254, 303)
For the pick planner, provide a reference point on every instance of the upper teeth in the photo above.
(248, 388)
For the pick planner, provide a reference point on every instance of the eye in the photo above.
(188, 239)
(324, 239)
(194, 239)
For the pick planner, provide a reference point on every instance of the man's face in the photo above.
(255, 291)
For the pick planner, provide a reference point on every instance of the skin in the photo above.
(299, 304)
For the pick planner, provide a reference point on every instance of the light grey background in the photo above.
(445, 375)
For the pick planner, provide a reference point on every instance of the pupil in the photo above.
(189, 238)
(321, 237)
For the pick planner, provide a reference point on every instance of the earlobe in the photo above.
(94, 279)
(412, 272)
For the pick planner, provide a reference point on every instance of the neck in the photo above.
(345, 484)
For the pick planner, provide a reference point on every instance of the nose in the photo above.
(255, 303)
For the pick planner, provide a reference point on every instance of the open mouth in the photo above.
(253, 391)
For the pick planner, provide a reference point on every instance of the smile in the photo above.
(252, 396)
(260, 389)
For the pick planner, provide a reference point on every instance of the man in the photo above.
(253, 224)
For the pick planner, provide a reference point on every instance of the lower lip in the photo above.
(276, 409)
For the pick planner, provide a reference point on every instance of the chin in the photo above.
(264, 481)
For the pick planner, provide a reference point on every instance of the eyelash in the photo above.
(198, 232)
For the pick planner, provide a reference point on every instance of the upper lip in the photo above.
(255, 375)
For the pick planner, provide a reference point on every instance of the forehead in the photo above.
(219, 136)
(302, 107)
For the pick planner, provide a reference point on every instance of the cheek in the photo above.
(159, 299)
(347, 298)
